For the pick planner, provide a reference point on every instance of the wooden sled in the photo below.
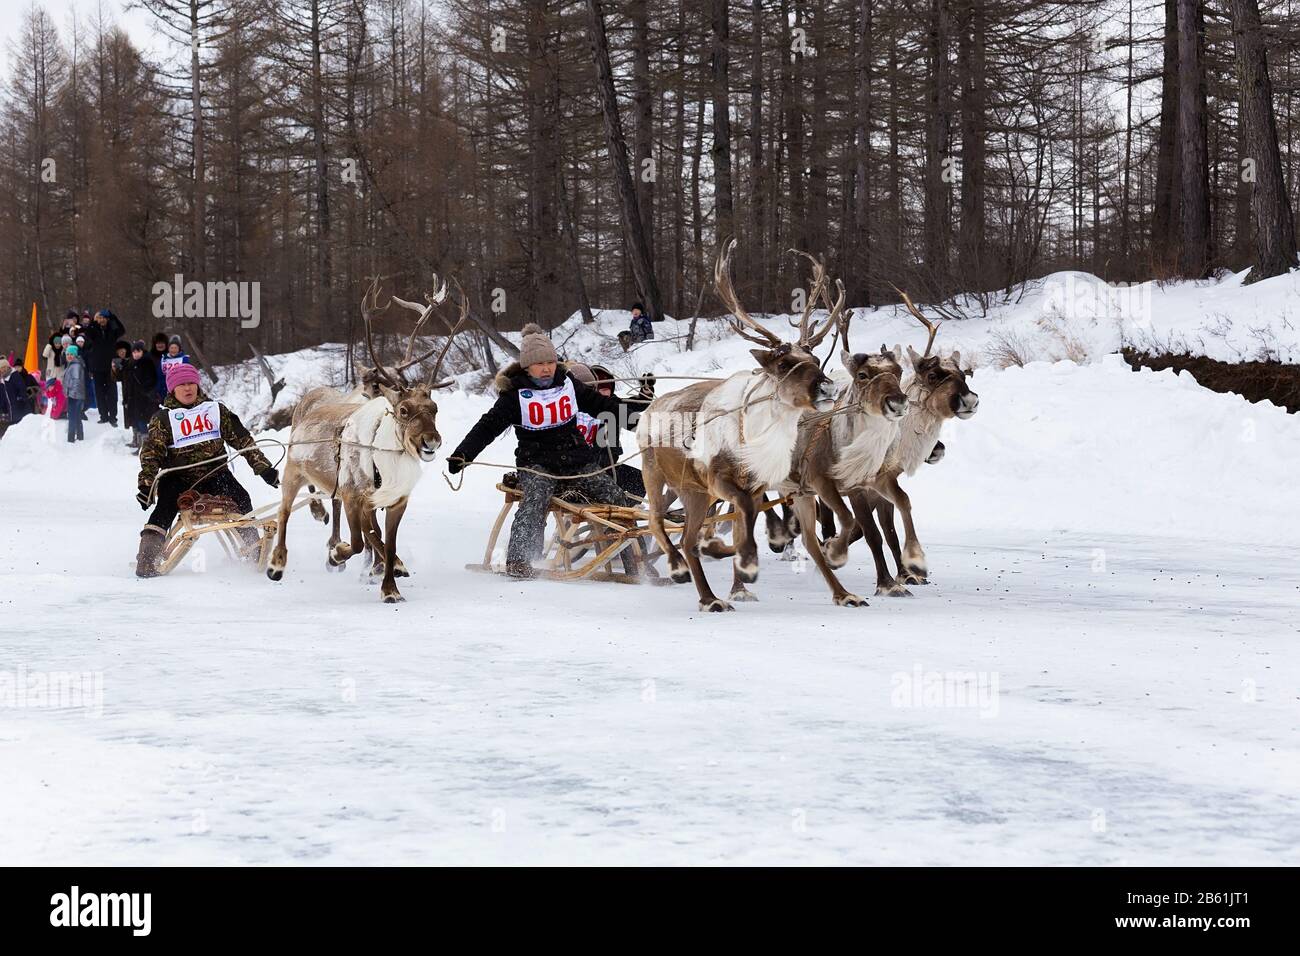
(589, 539)
(220, 516)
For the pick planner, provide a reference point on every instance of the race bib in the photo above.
(169, 361)
(587, 427)
(541, 408)
(193, 425)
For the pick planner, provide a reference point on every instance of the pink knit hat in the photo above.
(178, 373)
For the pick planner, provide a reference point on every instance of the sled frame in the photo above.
(586, 540)
(188, 528)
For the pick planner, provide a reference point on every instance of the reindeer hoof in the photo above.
(716, 605)
(332, 567)
(850, 600)
(892, 590)
(747, 572)
(911, 577)
(393, 598)
(777, 547)
(275, 574)
(399, 571)
(742, 594)
(680, 575)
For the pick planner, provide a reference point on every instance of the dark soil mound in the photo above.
(1253, 381)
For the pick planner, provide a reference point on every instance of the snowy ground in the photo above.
(1105, 670)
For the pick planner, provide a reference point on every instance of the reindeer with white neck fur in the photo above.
(937, 391)
(840, 454)
(731, 440)
(370, 379)
(368, 455)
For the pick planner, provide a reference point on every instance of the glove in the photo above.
(648, 384)
(142, 496)
(455, 464)
(271, 477)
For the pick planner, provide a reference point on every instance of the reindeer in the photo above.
(739, 440)
(368, 455)
(936, 392)
(845, 451)
(370, 378)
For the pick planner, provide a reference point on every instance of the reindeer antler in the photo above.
(437, 365)
(722, 280)
(932, 326)
(435, 298)
(810, 338)
(841, 317)
(369, 306)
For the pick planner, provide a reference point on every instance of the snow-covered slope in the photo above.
(1113, 558)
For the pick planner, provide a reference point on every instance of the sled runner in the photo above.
(218, 515)
(596, 542)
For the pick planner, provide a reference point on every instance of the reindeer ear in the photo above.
(913, 357)
(391, 394)
(846, 360)
(956, 358)
(762, 356)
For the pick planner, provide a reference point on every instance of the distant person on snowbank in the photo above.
(540, 397)
(640, 326)
(74, 387)
(188, 429)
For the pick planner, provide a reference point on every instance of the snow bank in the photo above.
(1068, 315)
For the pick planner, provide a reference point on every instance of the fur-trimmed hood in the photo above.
(514, 376)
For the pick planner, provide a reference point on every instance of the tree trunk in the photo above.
(861, 268)
(936, 204)
(1274, 239)
(970, 239)
(1193, 150)
(642, 121)
(616, 145)
(1165, 215)
(724, 215)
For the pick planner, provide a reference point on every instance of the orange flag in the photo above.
(32, 361)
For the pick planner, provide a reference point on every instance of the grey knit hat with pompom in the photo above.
(536, 347)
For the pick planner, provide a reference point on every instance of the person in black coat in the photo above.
(540, 398)
(13, 395)
(101, 337)
(139, 392)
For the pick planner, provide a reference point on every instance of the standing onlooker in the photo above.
(30, 385)
(174, 355)
(53, 355)
(157, 354)
(74, 386)
(121, 355)
(89, 400)
(139, 391)
(8, 414)
(100, 340)
(17, 400)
